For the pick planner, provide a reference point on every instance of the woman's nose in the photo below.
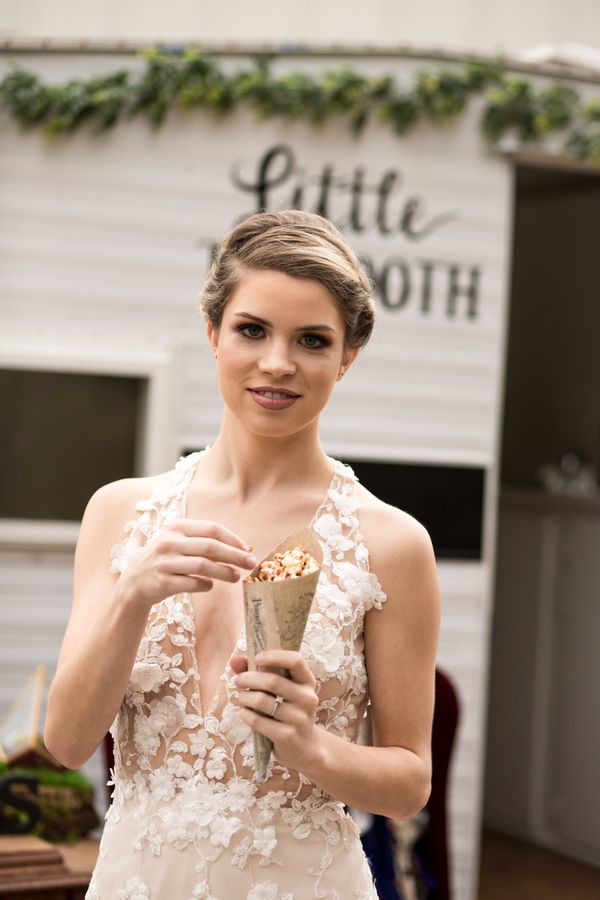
(277, 360)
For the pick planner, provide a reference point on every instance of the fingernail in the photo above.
(251, 561)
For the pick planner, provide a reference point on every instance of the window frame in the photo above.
(157, 441)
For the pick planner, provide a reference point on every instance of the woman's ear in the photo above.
(348, 358)
(213, 338)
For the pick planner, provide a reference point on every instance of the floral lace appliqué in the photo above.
(189, 777)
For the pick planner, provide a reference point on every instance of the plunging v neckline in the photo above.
(188, 595)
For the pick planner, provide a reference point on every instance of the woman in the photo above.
(157, 645)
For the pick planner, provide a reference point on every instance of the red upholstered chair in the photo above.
(109, 761)
(433, 846)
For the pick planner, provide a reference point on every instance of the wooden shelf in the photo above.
(32, 868)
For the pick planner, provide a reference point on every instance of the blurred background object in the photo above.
(38, 795)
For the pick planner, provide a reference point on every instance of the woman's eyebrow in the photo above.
(302, 327)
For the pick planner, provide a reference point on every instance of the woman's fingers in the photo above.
(202, 528)
(216, 550)
(293, 730)
(179, 584)
(270, 684)
(238, 663)
(207, 555)
(265, 703)
(187, 557)
(291, 660)
(199, 567)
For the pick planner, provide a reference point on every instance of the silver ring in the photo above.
(278, 700)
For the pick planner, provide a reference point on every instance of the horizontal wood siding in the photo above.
(103, 244)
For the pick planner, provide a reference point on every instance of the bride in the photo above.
(155, 647)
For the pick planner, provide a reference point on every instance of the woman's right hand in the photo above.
(188, 556)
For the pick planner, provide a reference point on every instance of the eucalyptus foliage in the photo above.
(192, 79)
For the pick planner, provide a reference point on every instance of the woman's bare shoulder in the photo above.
(377, 517)
(115, 501)
(392, 536)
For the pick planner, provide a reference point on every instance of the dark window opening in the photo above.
(447, 500)
(63, 435)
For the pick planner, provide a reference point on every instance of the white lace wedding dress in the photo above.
(188, 820)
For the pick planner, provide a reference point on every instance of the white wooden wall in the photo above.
(485, 26)
(100, 242)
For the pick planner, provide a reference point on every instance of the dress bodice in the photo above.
(193, 770)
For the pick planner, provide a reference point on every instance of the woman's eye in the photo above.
(310, 341)
(314, 341)
(246, 328)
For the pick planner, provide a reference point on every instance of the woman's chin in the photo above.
(273, 431)
(267, 426)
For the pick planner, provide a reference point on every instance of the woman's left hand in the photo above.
(293, 731)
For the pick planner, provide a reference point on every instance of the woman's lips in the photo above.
(272, 402)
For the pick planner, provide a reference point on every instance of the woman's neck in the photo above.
(253, 464)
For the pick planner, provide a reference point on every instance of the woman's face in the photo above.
(279, 334)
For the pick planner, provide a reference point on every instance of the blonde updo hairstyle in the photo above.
(300, 244)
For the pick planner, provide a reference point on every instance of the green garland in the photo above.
(193, 79)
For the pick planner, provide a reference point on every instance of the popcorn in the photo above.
(290, 564)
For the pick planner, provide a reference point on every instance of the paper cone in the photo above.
(276, 614)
